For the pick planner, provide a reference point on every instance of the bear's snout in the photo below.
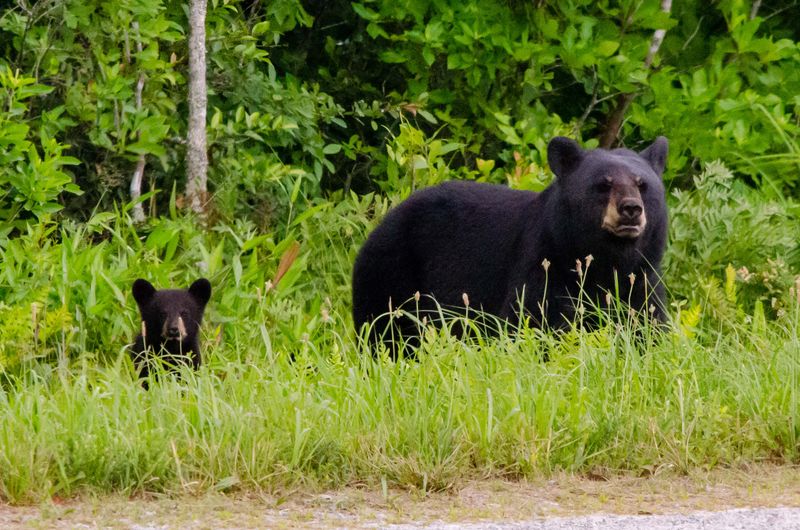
(174, 329)
(630, 210)
(624, 217)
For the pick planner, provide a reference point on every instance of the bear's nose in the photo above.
(173, 331)
(630, 209)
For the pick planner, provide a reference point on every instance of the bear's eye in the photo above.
(603, 186)
(184, 314)
(642, 186)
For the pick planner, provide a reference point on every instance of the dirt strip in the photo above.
(473, 502)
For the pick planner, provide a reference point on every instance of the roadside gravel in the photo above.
(739, 519)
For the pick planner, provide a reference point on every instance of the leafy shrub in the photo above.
(32, 169)
(505, 77)
(723, 225)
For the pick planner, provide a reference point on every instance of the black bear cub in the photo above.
(502, 247)
(170, 324)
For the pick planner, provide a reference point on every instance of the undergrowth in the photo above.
(288, 396)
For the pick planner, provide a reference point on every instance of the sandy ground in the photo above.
(486, 501)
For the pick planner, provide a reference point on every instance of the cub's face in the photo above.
(171, 314)
(612, 192)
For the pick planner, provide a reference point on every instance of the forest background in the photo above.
(321, 115)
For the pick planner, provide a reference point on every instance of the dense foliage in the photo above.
(322, 114)
(348, 94)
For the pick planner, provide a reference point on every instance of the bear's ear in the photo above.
(656, 154)
(563, 155)
(201, 291)
(143, 291)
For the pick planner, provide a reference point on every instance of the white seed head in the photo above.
(589, 260)
(608, 299)
(744, 274)
(416, 296)
(632, 278)
(545, 264)
(465, 298)
(579, 268)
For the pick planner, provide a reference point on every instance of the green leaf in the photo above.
(33, 90)
(392, 57)
(365, 12)
(606, 48)
(427, 116)
(260, 28)
(428, 55)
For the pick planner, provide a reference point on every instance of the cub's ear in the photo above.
(656, 154)
(201, 291)
(143, 291)
(563, 155)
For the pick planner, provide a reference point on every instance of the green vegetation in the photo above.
(288, 398)
(255, 420)
(321, 116)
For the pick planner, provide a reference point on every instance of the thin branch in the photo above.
(614, 121)
(693, 35)
(590, 107)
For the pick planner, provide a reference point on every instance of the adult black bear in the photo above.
(502, 246)
(170, 324)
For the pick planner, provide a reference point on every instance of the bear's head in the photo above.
(610, 195)
(171, 314)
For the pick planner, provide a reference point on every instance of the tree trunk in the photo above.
(138, 173)
(196, 156)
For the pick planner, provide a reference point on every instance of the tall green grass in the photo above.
(254, 420)
(288, 397)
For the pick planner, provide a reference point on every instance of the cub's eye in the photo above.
(642, 186)
(603, 186)
(162, 314)
(184, 314)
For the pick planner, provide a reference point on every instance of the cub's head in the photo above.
(617, 191)
(171, 314)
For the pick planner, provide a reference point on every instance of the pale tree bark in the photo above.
(614, 121)
(138, 173)
(754, 9)
(196, 155)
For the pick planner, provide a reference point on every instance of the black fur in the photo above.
(163, 313)
(490, 242)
